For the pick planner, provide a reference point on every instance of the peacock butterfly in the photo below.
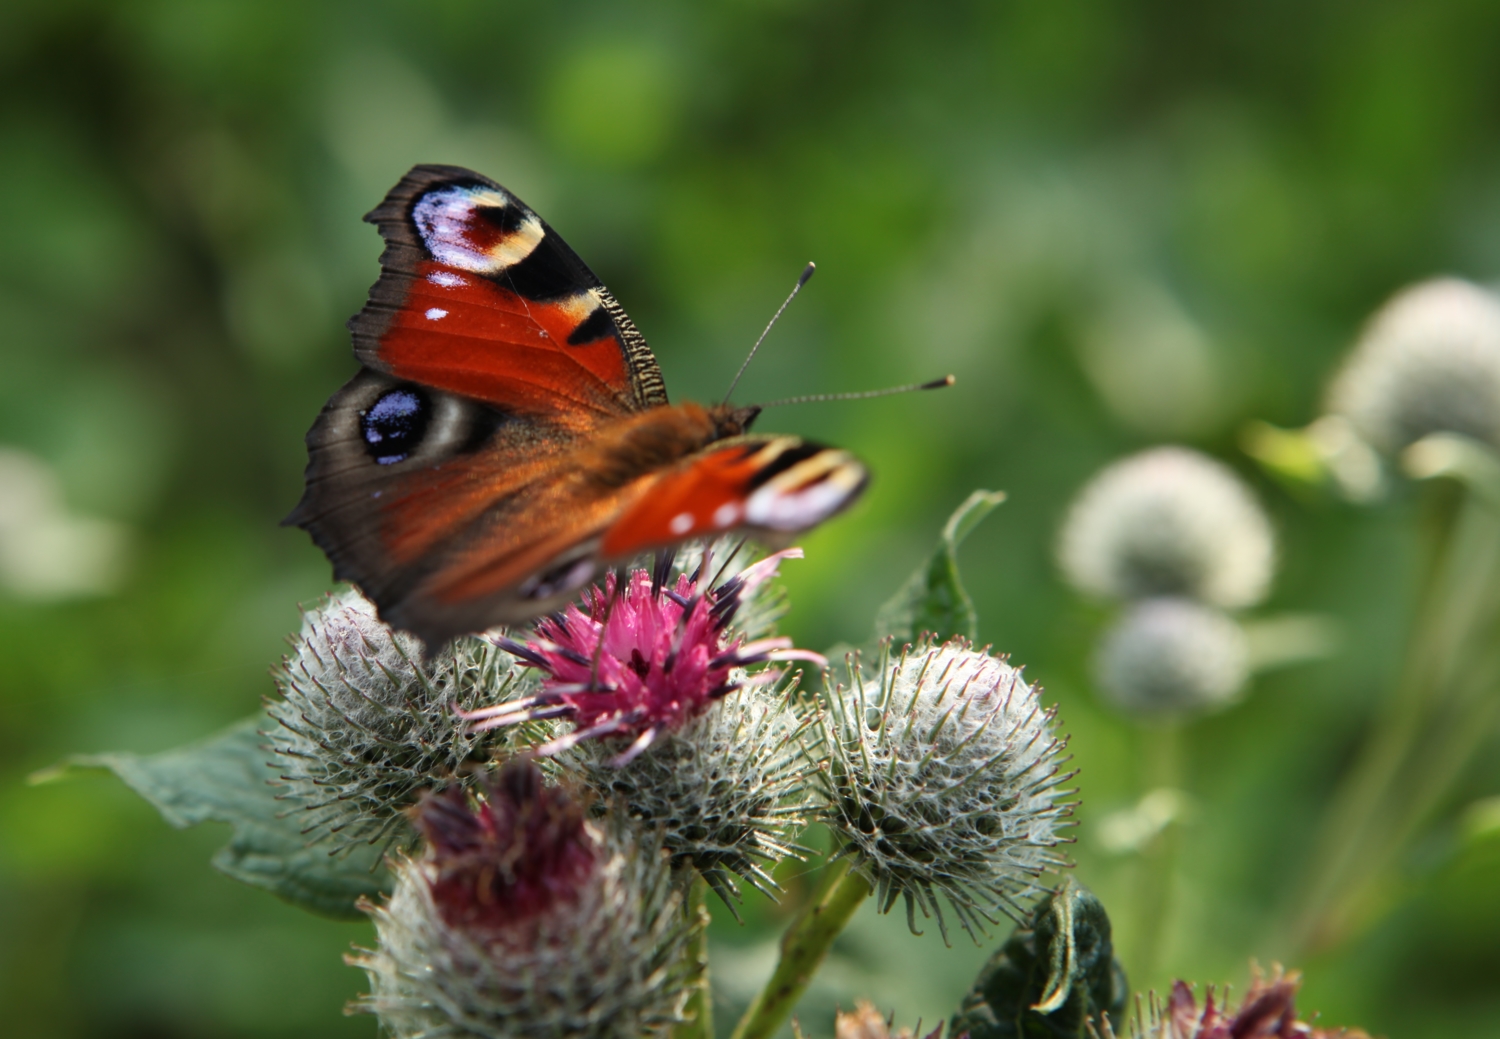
(509, 435)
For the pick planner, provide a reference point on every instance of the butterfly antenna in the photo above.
(807, 272)
(935, 384)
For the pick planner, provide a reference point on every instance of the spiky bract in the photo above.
(729, 790)
(1428, 362)
(1168, 521)
(364, 723)
(944, 779)
(604, 960)
(1172, 656)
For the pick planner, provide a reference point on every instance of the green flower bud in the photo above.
(729, 791)
(943, 779)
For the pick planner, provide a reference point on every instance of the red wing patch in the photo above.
(465, 333)
(479, 297)
(767, 485)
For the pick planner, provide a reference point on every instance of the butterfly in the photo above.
(509, 437)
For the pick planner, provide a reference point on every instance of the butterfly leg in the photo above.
(615, 586)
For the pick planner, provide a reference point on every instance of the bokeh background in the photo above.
(1117, 223)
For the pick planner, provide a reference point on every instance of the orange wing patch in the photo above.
(770, 485)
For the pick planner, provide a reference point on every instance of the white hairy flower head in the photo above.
(729, 791)
(1172, 656)
(1168, 521)
(1427, 362)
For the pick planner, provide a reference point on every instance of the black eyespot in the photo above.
(505, 219)
(394, 425)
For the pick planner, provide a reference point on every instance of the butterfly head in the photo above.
(732, 422)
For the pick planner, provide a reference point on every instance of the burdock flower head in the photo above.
(1172, 656)
(524, 918)
(944, 780)
(364, 723)
(1168, 521)
(1428, 362)
(667, 721)
(643, 657)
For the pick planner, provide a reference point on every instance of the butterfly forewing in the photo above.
(477, 295)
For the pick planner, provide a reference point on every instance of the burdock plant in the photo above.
(558, 801)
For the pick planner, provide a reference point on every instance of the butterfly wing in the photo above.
(490, 353)
(770, 487)
(478, 296)
(509, 433)
(532, 536)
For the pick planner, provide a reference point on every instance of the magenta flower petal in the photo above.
(640, 659)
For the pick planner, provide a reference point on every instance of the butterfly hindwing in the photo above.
(767, 486)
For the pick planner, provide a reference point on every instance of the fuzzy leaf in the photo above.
(1040, 984)
(933, 599)
(225, 778)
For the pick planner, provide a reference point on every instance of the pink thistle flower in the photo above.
(512, 856)
(1268, 1011)
(643, 658)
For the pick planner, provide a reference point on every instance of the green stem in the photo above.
(1158, 864)
(1394, 783)
(700, 1005)
(803, 948)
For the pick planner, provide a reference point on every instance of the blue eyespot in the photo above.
(394, 425)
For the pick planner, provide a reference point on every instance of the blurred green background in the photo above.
(1116, 223)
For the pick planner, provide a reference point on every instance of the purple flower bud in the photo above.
(511, 856)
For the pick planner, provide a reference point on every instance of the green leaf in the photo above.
(1052, 976)
(225, 778)
(933, 599)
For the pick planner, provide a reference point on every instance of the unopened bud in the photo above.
(944, 780)
(364, 724)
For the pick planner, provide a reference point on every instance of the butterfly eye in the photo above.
(394, 425)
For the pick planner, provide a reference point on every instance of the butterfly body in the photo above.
(510, 435)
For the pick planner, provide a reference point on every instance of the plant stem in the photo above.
(803, 947)
(1158, 863)
(700, 1005)
(1397, 780)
